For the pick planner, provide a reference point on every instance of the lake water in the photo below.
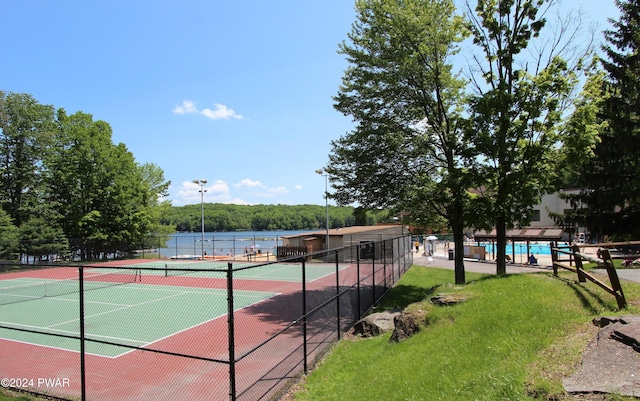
(223, 243)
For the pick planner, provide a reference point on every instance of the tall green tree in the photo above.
(157, 205)
(405, 152)
(515, 111)
(581, 136)
(75, 169)
(609, 204)
(26, 128)
(43, 239)
(9, 238)
(581, 131)
(107, 199)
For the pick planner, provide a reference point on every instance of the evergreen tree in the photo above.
(43, 240)
(8, 238)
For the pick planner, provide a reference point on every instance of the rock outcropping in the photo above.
(611, 362)
(404, 324)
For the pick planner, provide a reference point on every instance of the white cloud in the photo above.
(219, 191)
(250, 184)
(216, 192)
(187, 107)
(277, 190)
(219, 187)
(297, 186)
(220, 111)
(257, 188)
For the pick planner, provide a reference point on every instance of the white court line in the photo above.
(24, 280)
(75, 333)
(267, 272)
(130, 341)
(199, 324)
(119, 309)
(28, 326)
(56, 348)
(282, 268)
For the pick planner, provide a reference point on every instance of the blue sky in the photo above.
(234, 92)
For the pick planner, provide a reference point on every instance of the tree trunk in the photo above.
(458, 239)
(501, 243)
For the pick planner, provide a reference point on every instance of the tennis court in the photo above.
(137, 314)
(287, 272)
(134, 314)
(178, 329)
(165, 327)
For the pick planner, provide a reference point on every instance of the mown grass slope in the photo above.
(513, 339)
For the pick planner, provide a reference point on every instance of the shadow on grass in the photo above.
(587, 297)
(403, 295)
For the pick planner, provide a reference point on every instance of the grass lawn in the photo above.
(6, 395)
(515, 338)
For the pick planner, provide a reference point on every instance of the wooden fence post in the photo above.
(613, 277)
(554, 256)
(578, 260)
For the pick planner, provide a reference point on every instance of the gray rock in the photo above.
(610, 364)
(603, 321)
(628, 334)
(406, 325)
(375, 324)
(447, 299)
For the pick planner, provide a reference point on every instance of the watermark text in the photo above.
(26, 382)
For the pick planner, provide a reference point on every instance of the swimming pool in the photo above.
(537, 248)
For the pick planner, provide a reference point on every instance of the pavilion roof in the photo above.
(523, 234)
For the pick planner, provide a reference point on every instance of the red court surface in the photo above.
(144, 374)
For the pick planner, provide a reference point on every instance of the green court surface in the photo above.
(134, 314)
(290, 272)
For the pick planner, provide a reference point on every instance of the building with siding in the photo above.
(316, 241)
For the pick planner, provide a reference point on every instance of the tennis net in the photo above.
(93, 279)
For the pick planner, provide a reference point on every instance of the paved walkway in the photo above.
(488, 267)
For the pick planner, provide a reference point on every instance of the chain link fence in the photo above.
(182, 330)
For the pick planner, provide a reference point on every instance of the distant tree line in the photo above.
(225, 217)
(68, 191)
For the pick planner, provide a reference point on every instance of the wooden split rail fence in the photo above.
(571, 258)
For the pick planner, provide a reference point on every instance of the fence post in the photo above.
(83, 376)
(406, 242)
(304, 316)
(373, 272)
(231, 332)
(554, 256)
(337, 294)
(578, 259)
(393, 261)
(613, 278)
(384, 264)
(358, 282)
(176, 246)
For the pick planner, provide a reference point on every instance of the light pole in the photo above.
(326, 201)
(202, 183)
